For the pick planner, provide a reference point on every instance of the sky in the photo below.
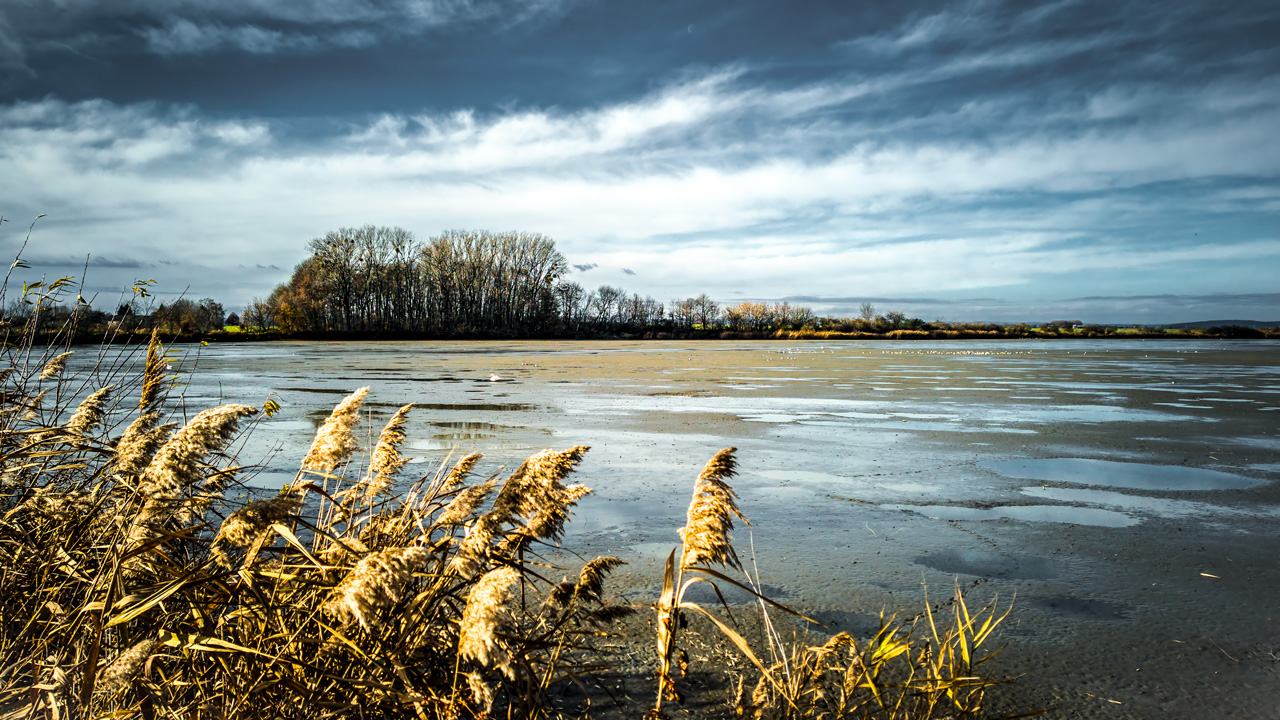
(1102, 161)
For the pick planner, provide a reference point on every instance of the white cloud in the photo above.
(183, 37)
(669, 185)
(238, 133)
(917, 32)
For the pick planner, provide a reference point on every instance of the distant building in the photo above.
(1062, 325)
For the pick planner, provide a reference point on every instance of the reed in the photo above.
(130, 586)
(929, 667)
(707, 534)
(335, 441)
(386, 460)
(895, 675)
(55, 366)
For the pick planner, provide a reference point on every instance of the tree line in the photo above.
(479, 284)
(476, 283)
(179, 316)
(468, 283)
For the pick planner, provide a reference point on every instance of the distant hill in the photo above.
(1223, 323)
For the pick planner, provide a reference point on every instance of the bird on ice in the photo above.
(493, 377)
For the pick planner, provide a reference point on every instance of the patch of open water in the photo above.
(1070, 514)
(981, 563)
(1109, 473)
(1088, 609)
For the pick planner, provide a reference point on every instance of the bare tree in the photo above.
(706, 312)
(683, 313)
(571, 302)
(604, 305)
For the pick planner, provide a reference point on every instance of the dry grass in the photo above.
(133, 587)
(898, 674)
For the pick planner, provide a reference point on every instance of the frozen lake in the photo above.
(1125, 490)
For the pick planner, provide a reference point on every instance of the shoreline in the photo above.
(222, 337)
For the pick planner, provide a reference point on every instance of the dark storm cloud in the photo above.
(485, 53)
(894, 69)
(71, 262)
(195, 27)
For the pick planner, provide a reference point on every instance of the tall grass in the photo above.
(900, 673)
(133, 585)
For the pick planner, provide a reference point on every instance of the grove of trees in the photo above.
(382, 279)
(188, 316)
(468, 283)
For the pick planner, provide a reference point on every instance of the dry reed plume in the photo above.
(707, 534)
(244, 526)
(335, 441)
(90, 413)
(122, 671)
(486, 603)
(464, 504)
(375, 583)
(176, 465)
(152, 392)
(386, 460)
(54, 367)
(458, 474)
(533, 500)
(139, 443)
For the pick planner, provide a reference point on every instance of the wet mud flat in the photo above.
(1124, 492)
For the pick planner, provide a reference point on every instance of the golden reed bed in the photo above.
(134, 584)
